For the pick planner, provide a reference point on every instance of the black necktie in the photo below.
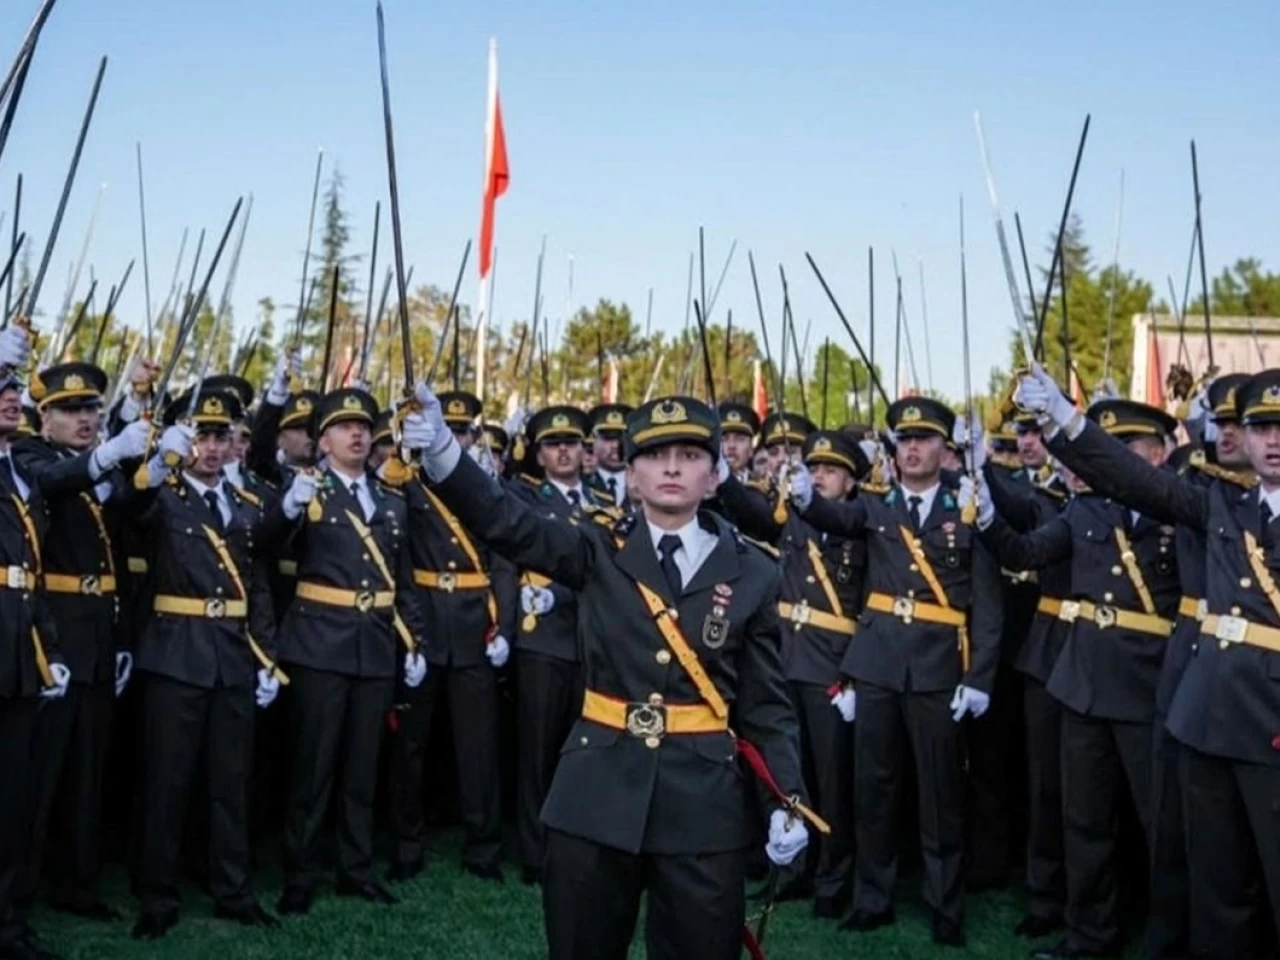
(668, 544)
(612, 484)
(913, 508)
(1265, 510)
(7, 475)
(575, 499)
(211, 499)
(355, 495)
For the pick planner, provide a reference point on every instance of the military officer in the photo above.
(781, 436)
(924, 657)
(382, 444)
(548, 668)
(608, 425)
(353, 609)
(678, 621)
(1123, 601)
(738, 428)
(1224, 711)
(207, 655)
(74, 476)
(821, 598)
(462, 411)
(31, 666)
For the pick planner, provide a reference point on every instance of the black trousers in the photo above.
(591, 899)
(68, 758)
(1103, 761)
(337, 725)
(1168, 930)
(995, 769)
(472, 695)
(921, 723)
(1046, 875)
(548, 701)
(1233, 814)
(826, 753)
(181, 724)
(17, 729)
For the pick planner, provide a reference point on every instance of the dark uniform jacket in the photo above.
(1228, 701)
(183, 561)
(1104, 669)
(24, 613)
(80, 546)
(682, 794)
(810, 653)
(918, 656)
(459, 621)
(263, 466)
(331, 553)
(555, 634)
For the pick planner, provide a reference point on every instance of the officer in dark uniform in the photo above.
(31, 666)
(206, 653)
(1123, 601)
(382, 444)
(924, 657)
(354, 609)
(496, 439)
(237, 469)
(462, 411)
(70, 746)
(548, 667)
(608, 426)
(781, 436)
(1224, 711)
(678, 621)
(468, 600)
(821, 598)
(738, 428)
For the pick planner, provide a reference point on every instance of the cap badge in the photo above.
(352, 402)
(614, 418)
(304, 405)
(733, 416)
(1230, 399)
(1271, 395)
(669, 411)
(560, 421)
(73, 382)
(910, 415)
(212, 406)
(1107, 420)
(456, 408)
(822, 445)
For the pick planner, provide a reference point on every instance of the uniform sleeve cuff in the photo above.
(440, 465)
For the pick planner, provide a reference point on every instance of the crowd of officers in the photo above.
(1061, 660)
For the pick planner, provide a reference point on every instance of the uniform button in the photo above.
(188, 529)
(913, 568)
(675, 614)
(584, 741)
(453, 539)
(453, 565)
(1235, 611)
(1246, 582)
(1088, 533)
(1108, 597)
(810, 580)
(218, 591)
(655, 699)
(1116, 571)
(652, 742)
(911, 594)
(364, 556)
(364, 583)
(1223, 644)
(663, 657)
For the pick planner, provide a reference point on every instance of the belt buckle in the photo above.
(16, 578)
(1232, 629)
(800, 613)
(90, 585)
(448, 582)
(1202, 610)
(646, 721)
(904, 609)
(1069, 611)
(364, 601)
(215, 609)
(1104, 617)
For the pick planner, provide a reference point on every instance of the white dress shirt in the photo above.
(218, 490)
(234, 472)
(926, 500)
(696, 545)
(361, 491)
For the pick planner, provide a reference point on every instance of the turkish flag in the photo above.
(497, 172)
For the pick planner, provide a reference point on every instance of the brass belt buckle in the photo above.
(1202, 610)
(364, 601)
(646, 721)
(448, 582)
(215, 609)
(1069, 611)
(1232, 629)
(800, 613)
(904, 609)
(16, 578)
(1104, 617)
(90, 585)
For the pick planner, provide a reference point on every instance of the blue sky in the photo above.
(806, 125)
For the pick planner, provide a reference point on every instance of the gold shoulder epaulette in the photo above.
(390, 488)
(879, 489)
(246, 496)
(1247, 481)
(764, 485)
(760, 545)
(530, 479)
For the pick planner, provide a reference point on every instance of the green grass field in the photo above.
(447, 913)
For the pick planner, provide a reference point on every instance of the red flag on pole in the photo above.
(759, 394)
(497, 173)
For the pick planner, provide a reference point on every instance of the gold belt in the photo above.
(90, 585)
(362, 600)
(17, 578)
(1193, 608)
(653, 720)
(448, 581)
(1049, 606)
(1237, 630)
(801, 613)
(214, 608)
(906, 610)
(1104, 617)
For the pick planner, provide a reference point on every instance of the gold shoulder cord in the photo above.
(820, 570)
(370, 544)
(931, 578)
(42, 659)
(1259, 564)
(675, 639)
(464, 541)
(224, 554)
(1130, 561)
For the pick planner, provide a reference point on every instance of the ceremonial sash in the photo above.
(464, 541)
(42, 659)
(380, 561)
(224, 554)
(931, 578)
(1130, 561)
(675, 639)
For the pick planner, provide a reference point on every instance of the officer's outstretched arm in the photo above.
(1045, 545)
(55, 476)
(1115, 471)
(986, 620)
(509, 526)
(1016, 502)
(750, 509)
(844, 518)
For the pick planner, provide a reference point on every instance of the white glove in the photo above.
(498, 651)
(177, 441)
(977, 447)
(722, 469)
(415, 432)
(787, 838)
(1106, 390)
(970, 701)
(268, 688)
(1210, 433)
(15, 347)
(436, 435)
(61, 677)
(980, 496)
(515, 423)
(301, 492)
(801, 486)
(124, 670)
(484, 458)
(537, 600)
(415, 670)
(128, 443)
(288, 366)
(846, 702)
(1038, 393)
